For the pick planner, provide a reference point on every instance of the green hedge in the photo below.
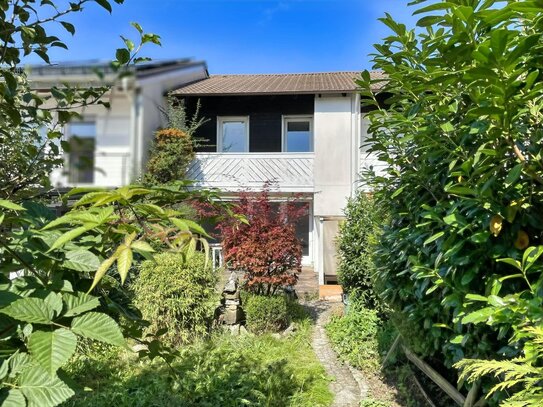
(177, 295)
(267, 313)
(358, 238)
(460, 260)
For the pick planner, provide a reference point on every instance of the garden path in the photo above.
(348, 386)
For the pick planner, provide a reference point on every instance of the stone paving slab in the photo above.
(348, 391)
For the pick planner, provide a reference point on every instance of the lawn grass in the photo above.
(223, 371)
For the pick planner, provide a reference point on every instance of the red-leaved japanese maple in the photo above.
(266, 247)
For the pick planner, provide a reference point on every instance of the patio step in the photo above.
(331, 293)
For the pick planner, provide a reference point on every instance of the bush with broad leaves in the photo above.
(54, 287)
(457, 118)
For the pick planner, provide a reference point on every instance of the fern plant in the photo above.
(523, 375)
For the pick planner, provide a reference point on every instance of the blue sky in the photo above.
(243, 36)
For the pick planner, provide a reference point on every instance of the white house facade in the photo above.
(109, 146)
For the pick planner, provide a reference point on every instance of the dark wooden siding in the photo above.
(264, 117)
(382, 99)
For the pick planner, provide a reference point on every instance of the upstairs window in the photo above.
(82, 144)
(297, 134)
(233, 134)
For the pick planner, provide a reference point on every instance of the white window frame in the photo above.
(299, 118)
(220, 121)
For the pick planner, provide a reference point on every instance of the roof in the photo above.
(290, 83)
(80, 68)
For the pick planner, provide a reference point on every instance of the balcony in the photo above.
(291, 172)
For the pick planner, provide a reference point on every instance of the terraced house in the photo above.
(302, 132)
(305, 132)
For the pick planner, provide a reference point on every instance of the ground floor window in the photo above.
(303, 229)
(303, 224)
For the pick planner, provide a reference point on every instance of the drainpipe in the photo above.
(135, 133)
(140, 136)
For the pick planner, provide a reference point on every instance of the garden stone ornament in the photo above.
(230, 309)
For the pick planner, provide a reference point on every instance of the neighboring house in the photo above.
(108, 147)
(304, 132)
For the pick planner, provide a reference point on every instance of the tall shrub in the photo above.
(177, 295)
(264, 246)
(358, 238)
(458, 121)
(172, 150)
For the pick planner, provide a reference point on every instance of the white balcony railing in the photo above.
(290, 172)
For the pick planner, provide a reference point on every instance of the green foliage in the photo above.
(44, 311)
(522, 373)
(176, 116)
(61, 294)
(170, 156)
(33, 349)
(267, 313)
(226, 371)
(358, 237)
(458, 121)
(173, 147)
(66, 295)
(177, 296)
(360, 337)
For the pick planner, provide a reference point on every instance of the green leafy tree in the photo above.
(458, 121)
(54, 287)
(62, 293)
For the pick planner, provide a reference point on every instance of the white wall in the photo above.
(334, 152)
(125, 130)
(112, 151)
(337, 160)
(366, 159)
